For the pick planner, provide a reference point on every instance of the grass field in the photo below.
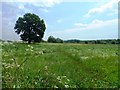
(59, 65)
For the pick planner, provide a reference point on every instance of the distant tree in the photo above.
(118, 41)
(113, 42)
(30, 27)
(58, 40)
(86, 42)
(95, 42)
(98, 42)
(51, 39)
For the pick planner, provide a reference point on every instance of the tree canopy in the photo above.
(51, 39)
(30, 27)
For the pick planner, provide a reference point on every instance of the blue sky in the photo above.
(76, 19)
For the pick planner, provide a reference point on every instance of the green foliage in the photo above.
(49, 65)
(30, 27)
(109, 41)
(51, 39)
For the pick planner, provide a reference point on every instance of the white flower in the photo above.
(26, 49)
(35, 83)
(13, 45)
(64, 76)
(31, 47)
(31, 50)
(60, 81)
(4, 63)
(55, 87)
(13, 86)
(84, 57)
(41, 52)
(28, 45)
(10, 43)
(58, 78)
(18, 65)
(12, 59)
(68, 80)
(66, 86)
(6, 43)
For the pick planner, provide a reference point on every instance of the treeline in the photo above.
(108, 41)
(52, 39)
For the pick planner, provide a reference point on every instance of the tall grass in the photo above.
(59, 66)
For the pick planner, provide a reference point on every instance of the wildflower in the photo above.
(6, 43)
(12, 59)
(13, 86)
(18, 65)
(64, 76)
(68, 80)
(13, 45)
(60, 81)
(66, 86)
(31, 47)
(84, 57)
(40, 52)
(58, 78)
(46, 67)
(31, 50)
(4, 63)
(55, 87)
(26, 49)
(46, 70)
(10, 43)
(28, 45)
(35, 83)
(7, 66)
(1, 44)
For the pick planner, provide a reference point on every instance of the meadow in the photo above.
(48, 65)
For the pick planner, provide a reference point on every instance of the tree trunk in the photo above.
(29, 41)
(29, 36)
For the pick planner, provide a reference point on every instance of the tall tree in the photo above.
(30, 27)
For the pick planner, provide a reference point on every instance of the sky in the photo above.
(65, 19)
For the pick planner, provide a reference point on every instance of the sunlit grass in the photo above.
(59, 65)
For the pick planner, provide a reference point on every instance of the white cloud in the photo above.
(21, 0)
(115, 12)
(44, 10)
(102, 8)
(46, 3)
(97, 24)
(43, 5)
(54, 0)
(59, 21)
(97, 29)
(21, 6)
(94, 23)
(38, 3)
